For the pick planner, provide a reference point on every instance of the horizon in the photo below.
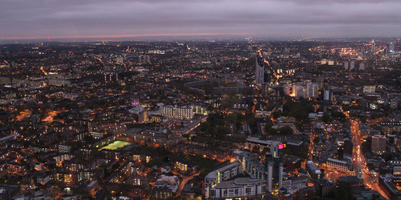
(295, 19)
(178, 37)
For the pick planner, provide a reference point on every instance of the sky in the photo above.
(55, 19)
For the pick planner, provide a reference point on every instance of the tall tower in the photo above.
(259, 73)
(262, 73)
(391, 48)
(270, 176)
(274, 164)
(373, 47)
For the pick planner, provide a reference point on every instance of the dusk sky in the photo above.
(42, 19)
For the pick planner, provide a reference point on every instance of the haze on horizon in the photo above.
(41, 19)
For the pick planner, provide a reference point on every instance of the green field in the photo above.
(115, 145)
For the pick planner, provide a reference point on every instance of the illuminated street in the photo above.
(360, 165)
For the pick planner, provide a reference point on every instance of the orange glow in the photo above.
(398, 187)
(348, 52)
(23, 114)
(293, 94)
(50, 115)
(43, 70)
(184, 182)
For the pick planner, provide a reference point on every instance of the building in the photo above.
(378, 144)
(386, 183)
(294, 184)
(312, 90)
(352, 65)
(369, 89)
(373, 47)
(305, 89)
(253, 142)
(170, 182)
(243, 187)
(268, 174)
(262, 74)
(221, 174)
(162, 193)
(341, 165)
(346, 65)
(313, 171)
(64, 148)
(328, 96)
(361, 66)
(274, 164)
(250, 165)
(391, 48)
(173, 112)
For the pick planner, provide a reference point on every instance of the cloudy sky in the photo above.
(32, 19)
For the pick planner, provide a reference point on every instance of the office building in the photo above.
(378, 144)
(313, 171)
(274, 164)
(173, 112)
(262, 73)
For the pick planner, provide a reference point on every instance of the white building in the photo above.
(222, 174)
(341, 165)
(64, 148)
(172, 112)
(237, 188)
(171, 182)
(369, 89)
(294, 184)
(306, 89)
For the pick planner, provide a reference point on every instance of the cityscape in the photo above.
(92, 110)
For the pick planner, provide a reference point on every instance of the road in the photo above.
(311, 145)
(358, 158)
(184, 181)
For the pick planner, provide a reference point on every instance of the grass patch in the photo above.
(115, 145)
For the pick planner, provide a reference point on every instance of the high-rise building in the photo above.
(313, 171)
(312, 90)
(259, 74)
(391, 48)
(274, 167)
(378, 145)
(328, 95)
(352, 65)
(262, 73)
(361, 66)
(346, 65)
(373, 47)
(305, 89)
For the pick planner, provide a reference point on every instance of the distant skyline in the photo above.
(98, 19)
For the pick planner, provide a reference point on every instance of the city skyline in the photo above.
(200, 99)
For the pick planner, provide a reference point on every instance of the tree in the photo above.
(316, 140)
(285, 131)
(301, 152)
(255, 149)
(342, 191)
(298, 110)
(268, 126)
(276, 114)
(252, 122)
